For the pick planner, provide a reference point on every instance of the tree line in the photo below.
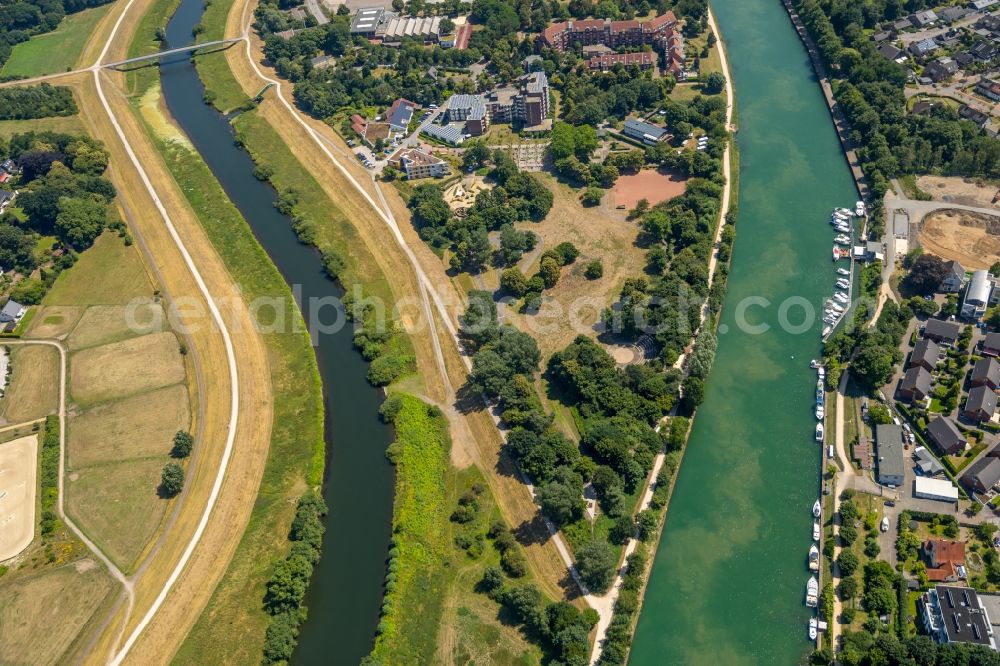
(41, 101)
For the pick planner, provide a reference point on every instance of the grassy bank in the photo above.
(222, 88)
(55, 51)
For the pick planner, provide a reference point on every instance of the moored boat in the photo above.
(812, 592)
(816, 531)
(812, 629)
(819, 432)
(826, 331)
(819, 412)
(842, 283)
(817, 509)
(843, 271)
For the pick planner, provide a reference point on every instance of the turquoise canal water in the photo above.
(728, 583)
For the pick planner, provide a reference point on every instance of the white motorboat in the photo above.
(815, 363)
(842, 283)
(812, 592)
(826, 331)
(843, 271)
(831, 317)
(842, 229)
(817, 509)
(816, 531)
(819, 412)
(813, 558)
(842, 211)
(842, 239)
(821, 371)
(835, 306)
(842, 297)
(819, 438)
(812, 629)
(859, 208)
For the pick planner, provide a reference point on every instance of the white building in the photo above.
(941, 490)
(977, 295)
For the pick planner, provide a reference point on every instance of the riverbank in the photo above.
(839, 122)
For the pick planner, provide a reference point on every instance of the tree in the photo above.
(595, 562)
(848, 563)
(879, 414)
(873, 365)
(647, 522)
(17, 249)
(715, 83)
(513, 282)
(183, 443)
(492, 579)
(475, 155)
(985, 531)
(549, 270)
(848, 588)
(561, 499)
(926, 275)
(594, 270)
(80, 221)
(848, 534)
(621, 530)
(592, 196)
(171, 480)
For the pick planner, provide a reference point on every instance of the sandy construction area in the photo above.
(963, 191)
(969, 238)
(18, 472)
(653, 185)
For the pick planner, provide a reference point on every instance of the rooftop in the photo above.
(889, 438)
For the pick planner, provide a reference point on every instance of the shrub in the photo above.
(594, 270)
(183, 443)
(171, 480)
(595, 561)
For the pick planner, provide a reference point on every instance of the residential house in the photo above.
(983, 474)
(528, 102)
(963, 58)
(901, 25)
(988, 88)
(916, 385)
(945, 560)
(471, 110)
(986, 372)
(889, 438)
(983, 50)
(926, 354)
(981, 404)
(981, 5)
(6, 198)
(9, 165)
(400, 114)
(926, 463)
(922, 108)
(991, 344)
(645, 132)
(977, 295)
(953, 614)
(941, 69)
(890, 52)
(972, 115)
(12, 312)
(922, 47)
(418, 164)
(613, 34)
(947, 436)
(883, 36)
(320, 62)
(952, 14)
(942, 332)
(954, 279)
(923, 19)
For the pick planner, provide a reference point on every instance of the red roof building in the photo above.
(561, 36)
(606, 61)
(944, 559)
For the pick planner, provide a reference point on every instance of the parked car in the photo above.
(885, 524)
(890, 503)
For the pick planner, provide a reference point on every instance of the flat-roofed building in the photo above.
(450, 134)
(953, 614)
(418, 164)
(647, 133)
(470, 109)
(941, 490)
(367, 20)
(607, 61)
(889, 439)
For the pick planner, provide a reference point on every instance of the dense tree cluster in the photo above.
(877, 348)
(286, 588)
(518, 196)
(41, 101)
(862, 648)
(870, 93)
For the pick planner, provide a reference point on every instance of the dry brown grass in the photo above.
(33, 391)
(954, 189)
(136, 427)
(54, 321)
(119, 369)
(117, 505)
(653, 185)
(42, 614)
(969, 238)
(103, 324)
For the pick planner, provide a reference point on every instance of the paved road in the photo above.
(952, 91)
(317, 12)
(918, 209)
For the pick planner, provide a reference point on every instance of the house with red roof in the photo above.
(945, 560)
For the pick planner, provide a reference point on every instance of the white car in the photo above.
(885, 524)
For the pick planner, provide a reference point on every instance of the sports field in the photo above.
(18, 472)
(54, 51)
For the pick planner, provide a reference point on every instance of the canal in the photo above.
(728, 583)
(345, 594)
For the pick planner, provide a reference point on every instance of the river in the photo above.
(728, 582)
(345, 595)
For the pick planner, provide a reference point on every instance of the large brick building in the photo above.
(528, 102)
(660, 32)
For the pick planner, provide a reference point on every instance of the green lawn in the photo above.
(225, 92)
(54, 51)
(98, 276)
(64, 124)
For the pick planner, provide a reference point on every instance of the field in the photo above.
(68, 124)
(33, 391)
(103, 324)
(18, 472)
(653, 185)
(55, 321)
(55, 604)
(954, 189)
(969, 238)
(109, 273)
(120, 369)
(54, 51)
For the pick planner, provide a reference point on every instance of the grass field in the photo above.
(109, 273)
(103, 324)
(55, 51)
(225, 91)
(67, 124)
(116, 504)
(136, 427)
(55, 603)
(54, 321)
(33, 391)
(120, 369)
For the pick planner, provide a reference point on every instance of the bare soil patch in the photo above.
(653, 185)
(102, 324)
(971, 239)
(33, 391)
(18, 465)
(54, 321)
(117, 504)
(963, 191)
(136, 427)
(123, 368)
(42, 614)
